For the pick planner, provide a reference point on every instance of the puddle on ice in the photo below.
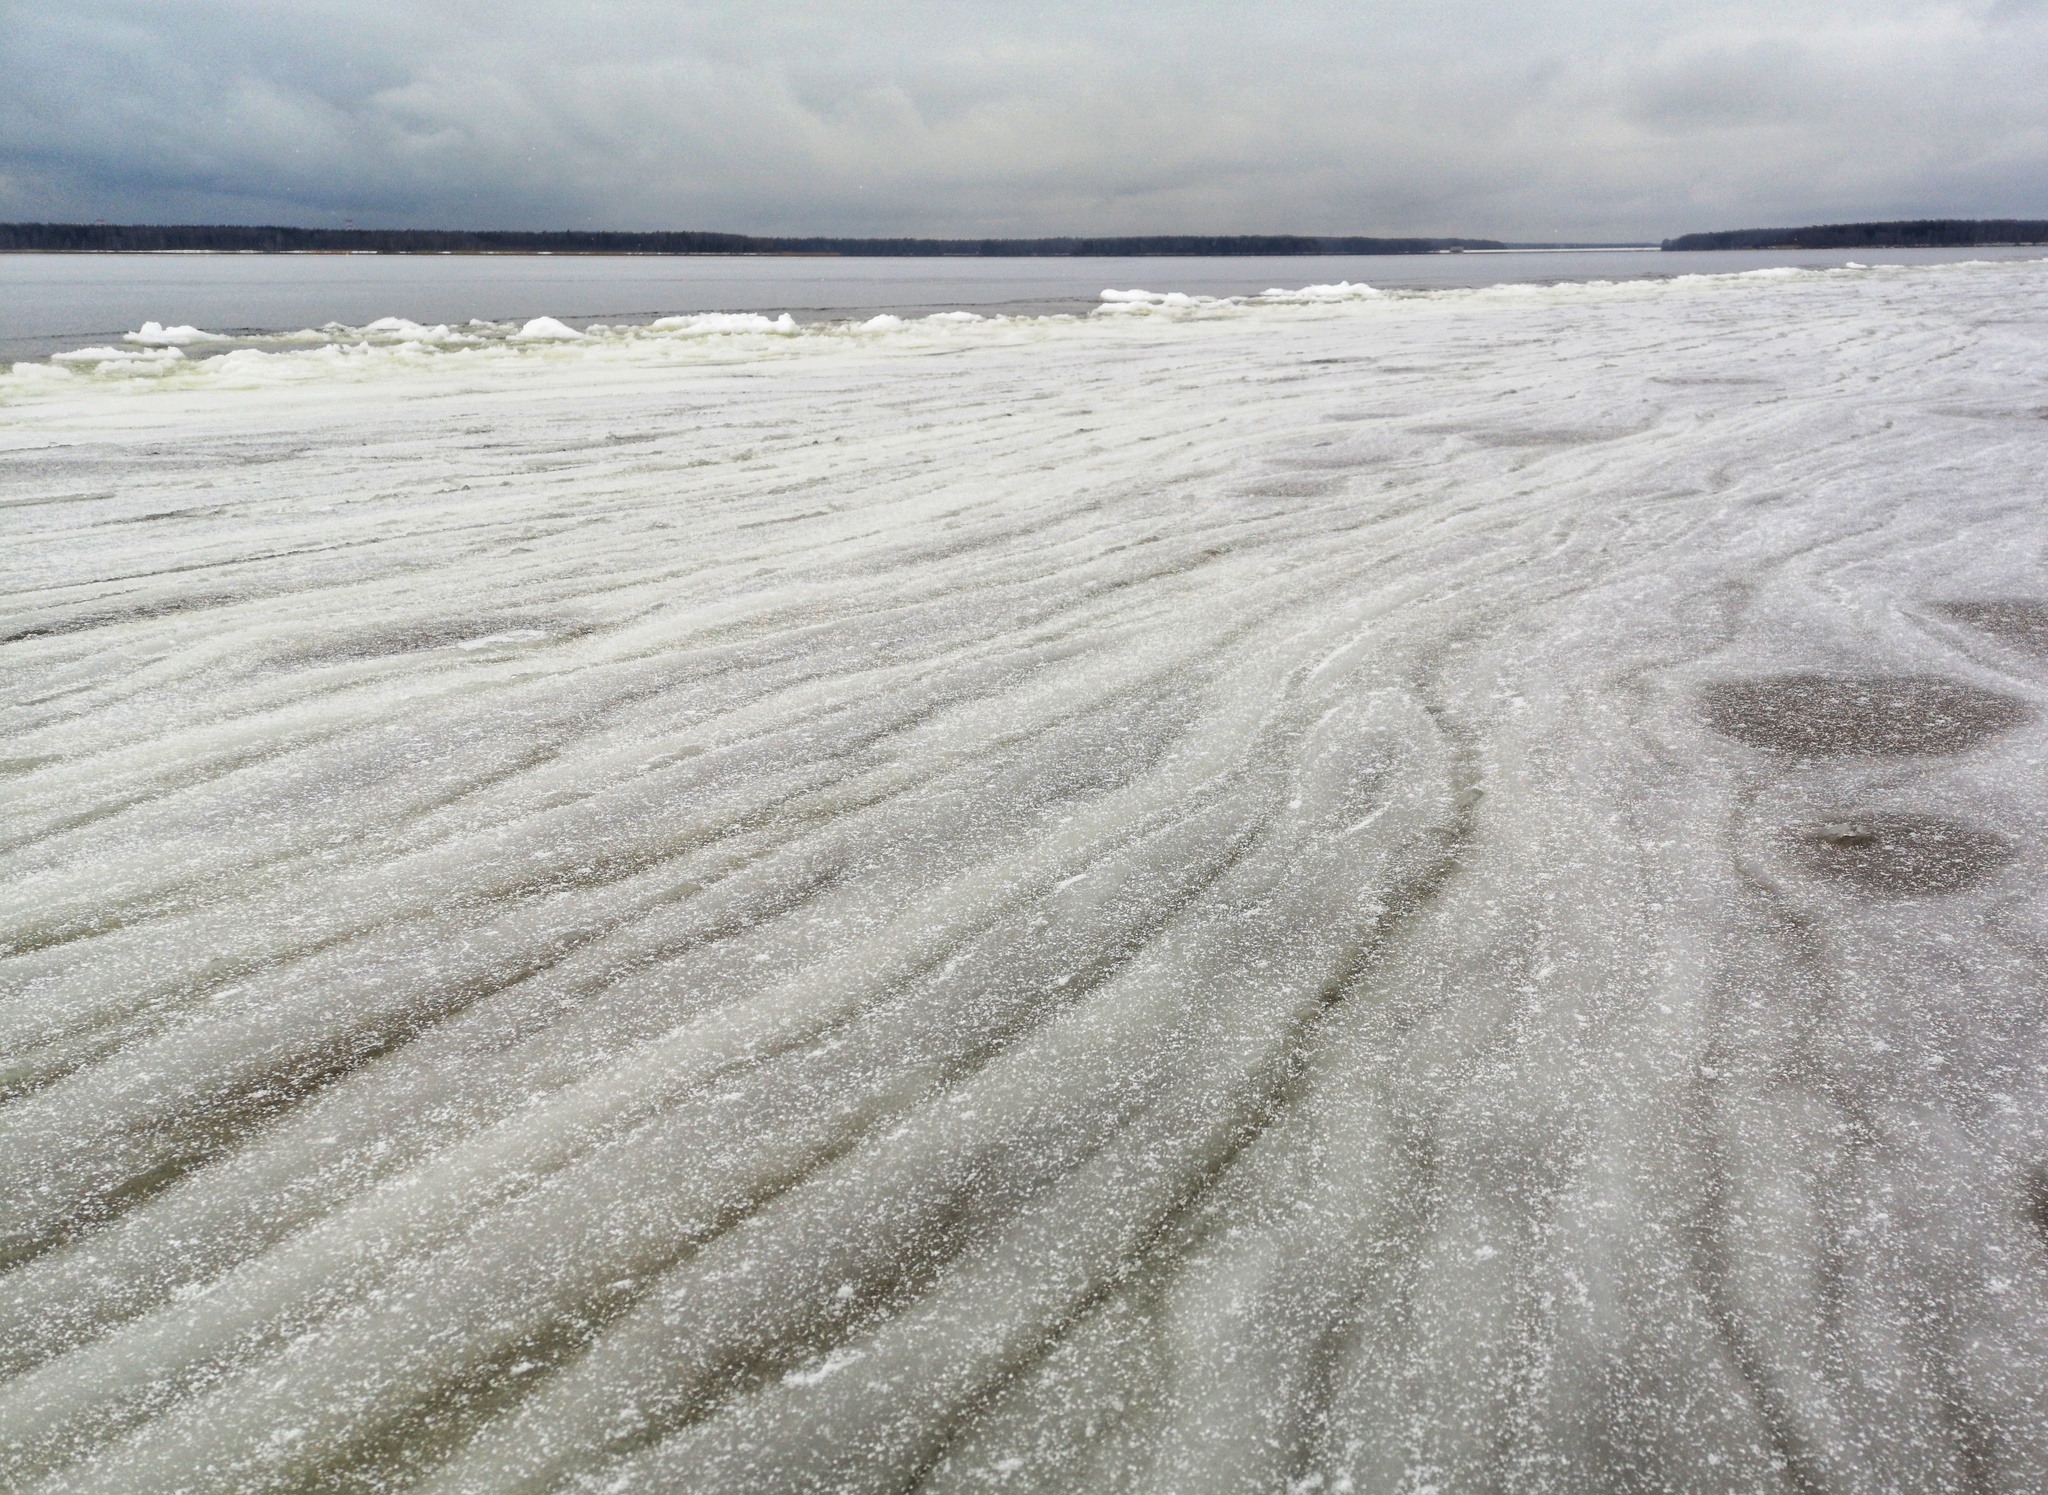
(1864, 715)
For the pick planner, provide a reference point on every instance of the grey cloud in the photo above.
(1531, 120)
(1758, 80)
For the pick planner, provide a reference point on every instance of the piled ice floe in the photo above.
(156, 335)
(1319, 893)
(396, 344)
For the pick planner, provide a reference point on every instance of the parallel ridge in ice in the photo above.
(1355, 896)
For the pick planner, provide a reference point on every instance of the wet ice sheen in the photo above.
(1875, 715)
(1324, 894)
(1899, 854)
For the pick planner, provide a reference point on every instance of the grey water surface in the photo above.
(50, 303)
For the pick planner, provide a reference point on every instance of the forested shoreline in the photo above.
(106, 238)
(1916, 233)
(227, 238)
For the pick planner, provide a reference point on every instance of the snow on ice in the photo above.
(156, 335)
(1327, 892)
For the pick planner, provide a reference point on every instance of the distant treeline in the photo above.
(139, 238)
(1918, 233)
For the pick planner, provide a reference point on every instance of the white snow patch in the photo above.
(546, 330)
(122, 359)
(156, 335)
(511, 636)
(1342, 290)
(1148, 301)
(707, 323)
(819, 1370)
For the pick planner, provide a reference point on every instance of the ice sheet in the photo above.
(1317, 893)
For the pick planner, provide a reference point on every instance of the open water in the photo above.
(51, 303)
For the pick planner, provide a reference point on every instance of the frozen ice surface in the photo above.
(540, 329)
(707, 322)
(1343, 290)
(156, 335)
(152, 359)
(1354, 895)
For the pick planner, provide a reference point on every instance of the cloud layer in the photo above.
(1537, 120)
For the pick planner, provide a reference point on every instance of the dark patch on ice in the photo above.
(1984, 412)
(552, 449)
(2037, 1201)
(1898, 855)
(1887, 716)
(1708, 380)
(2019, 621)
(139, 612)
(111, 457)
(1289, 488)
(1557, 437)
(49, 499)
(1329, 459)
(198, 511)
(478, 634)
(1524, 436)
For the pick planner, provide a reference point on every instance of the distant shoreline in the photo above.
(102, 238)
(1911, 233)
(173, 239)
(813, 254)
(794, 254)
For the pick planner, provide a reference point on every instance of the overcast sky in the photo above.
(1534, 119)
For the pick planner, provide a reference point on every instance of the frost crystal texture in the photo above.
(1327, 892)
